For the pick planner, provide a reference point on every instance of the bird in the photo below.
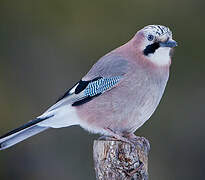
(117, 96)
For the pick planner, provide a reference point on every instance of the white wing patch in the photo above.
(73, 89)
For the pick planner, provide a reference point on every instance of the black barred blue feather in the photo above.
(95, 88)
(85, 91)
(101, 85)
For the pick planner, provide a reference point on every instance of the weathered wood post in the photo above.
(116, 160)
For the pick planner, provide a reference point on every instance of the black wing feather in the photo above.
(80, 87)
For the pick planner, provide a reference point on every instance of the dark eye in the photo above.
(150, 37)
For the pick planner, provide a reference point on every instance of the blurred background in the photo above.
(47, 45)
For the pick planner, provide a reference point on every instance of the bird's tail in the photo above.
(23, 132)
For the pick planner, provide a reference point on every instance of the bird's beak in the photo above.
(169, 43)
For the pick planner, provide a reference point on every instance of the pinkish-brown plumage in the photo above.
(126, 107)
(117, 96)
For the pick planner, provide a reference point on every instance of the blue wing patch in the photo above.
(91, 89)
(101, 85)
(97, 87)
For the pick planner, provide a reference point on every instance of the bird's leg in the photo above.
(114, 136)
(131, 139)
(107, 138)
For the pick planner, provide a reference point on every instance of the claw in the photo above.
(131, 139)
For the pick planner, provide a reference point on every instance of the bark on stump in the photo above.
(116, 160)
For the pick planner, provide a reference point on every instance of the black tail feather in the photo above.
(23, 132)
(27, 125)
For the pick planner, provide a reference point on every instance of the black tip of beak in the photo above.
(169, 43)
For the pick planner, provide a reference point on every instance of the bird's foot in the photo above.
(107, 138)
(131, 139)
(117, 137)
(141, 141)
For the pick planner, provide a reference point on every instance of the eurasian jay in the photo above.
(117, 96)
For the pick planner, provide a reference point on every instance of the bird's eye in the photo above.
(150, 37)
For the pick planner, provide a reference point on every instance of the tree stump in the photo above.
(117, 160)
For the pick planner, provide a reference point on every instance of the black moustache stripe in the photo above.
(150, 49)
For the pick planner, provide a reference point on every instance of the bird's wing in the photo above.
(103, 76)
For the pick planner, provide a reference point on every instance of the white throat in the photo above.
(160, 56)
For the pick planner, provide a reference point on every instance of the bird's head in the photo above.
(155, 44)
